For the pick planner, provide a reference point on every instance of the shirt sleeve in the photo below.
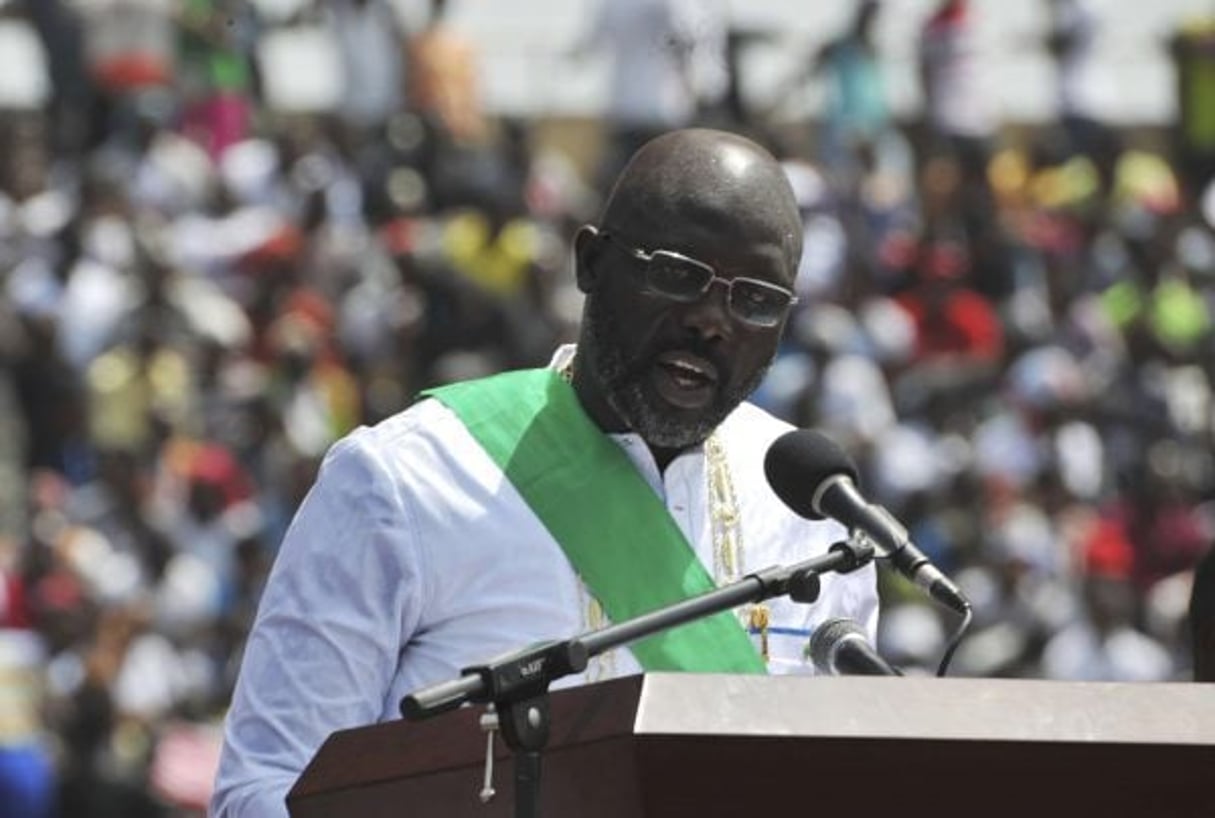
(343, 597)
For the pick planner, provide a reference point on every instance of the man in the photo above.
(668, 65)
(856, 112)
(415, 555)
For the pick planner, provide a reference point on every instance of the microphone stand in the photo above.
(517, 683)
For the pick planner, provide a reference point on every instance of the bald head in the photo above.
(696, 207)
(703, 181)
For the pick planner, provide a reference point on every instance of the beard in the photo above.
(626, 389)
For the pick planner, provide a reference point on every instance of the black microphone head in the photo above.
(827, 637)
(798, 462)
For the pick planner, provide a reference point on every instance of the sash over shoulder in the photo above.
(614, 529)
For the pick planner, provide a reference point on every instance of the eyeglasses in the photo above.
(679, 278)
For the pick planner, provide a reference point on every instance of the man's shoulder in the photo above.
(410, 434)
(426, 416)
(746, 434)
(752, 425)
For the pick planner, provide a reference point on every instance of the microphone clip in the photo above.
(860, 548)
(857, 551)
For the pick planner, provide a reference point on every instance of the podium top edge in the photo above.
(1167, 713)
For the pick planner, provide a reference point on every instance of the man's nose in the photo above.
(709, 316)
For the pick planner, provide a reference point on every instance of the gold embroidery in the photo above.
(725, 523)
(760, 619)
(724, 517)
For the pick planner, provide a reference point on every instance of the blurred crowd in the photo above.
(235, 231)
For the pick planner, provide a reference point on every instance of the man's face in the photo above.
(672, 371)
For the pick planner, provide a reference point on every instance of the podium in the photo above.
(703, 746)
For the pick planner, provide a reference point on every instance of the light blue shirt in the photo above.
(412, 557)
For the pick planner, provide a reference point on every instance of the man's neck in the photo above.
(597, 407)
(663, 457)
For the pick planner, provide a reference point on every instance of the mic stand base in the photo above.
(525, 727)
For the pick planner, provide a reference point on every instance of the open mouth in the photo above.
(685, 380)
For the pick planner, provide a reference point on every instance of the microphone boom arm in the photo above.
(517, 683)
(528, 672)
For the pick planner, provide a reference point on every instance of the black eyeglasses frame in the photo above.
(647, 257)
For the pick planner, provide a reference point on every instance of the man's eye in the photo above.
(758, 296)
(680, 277)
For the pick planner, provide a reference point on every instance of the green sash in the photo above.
(613, 528)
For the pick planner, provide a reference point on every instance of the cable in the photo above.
(955, 640)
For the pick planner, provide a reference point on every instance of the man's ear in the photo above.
(586, 252)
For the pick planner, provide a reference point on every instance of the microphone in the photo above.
(817, 479)
(839, 647)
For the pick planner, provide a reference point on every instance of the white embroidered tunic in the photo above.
(412, 557)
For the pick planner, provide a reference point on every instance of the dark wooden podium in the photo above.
(701, 746)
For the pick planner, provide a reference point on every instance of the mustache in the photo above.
(645, 359)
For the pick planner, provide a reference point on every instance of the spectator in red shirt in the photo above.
(959, 340)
